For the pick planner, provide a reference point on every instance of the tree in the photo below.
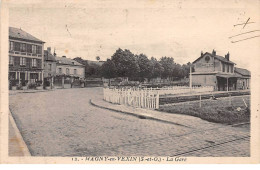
(97, 58)
(144, 66)
(93, 70)
(168, 65)
(108, 69)
(156, 68)
(125, 63)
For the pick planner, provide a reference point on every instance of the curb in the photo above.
(21, 142)
(137, 115)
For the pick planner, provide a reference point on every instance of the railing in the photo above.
(132, 97)
(25, 53)
(174, 90)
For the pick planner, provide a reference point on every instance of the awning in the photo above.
(228, 75)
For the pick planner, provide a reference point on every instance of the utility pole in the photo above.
(190, 78)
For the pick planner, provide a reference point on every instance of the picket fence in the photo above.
(132, 97)
(148, 97)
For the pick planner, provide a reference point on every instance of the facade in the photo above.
(69, 67)
(62, 72)
(243, 81)
(25, 57)
(49, 64)
(211, 69)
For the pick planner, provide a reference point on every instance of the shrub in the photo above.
(24, 82)
(38, 83)
(32, 85)
(14, 82)
(47, 83)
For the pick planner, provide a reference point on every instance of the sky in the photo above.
(178, 29)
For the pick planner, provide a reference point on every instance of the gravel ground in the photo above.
(64, 123)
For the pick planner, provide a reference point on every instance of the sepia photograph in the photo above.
(144, 81)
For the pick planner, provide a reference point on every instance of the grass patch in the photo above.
(167, 99)
(219, 111)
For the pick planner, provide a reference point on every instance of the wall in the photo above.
(203, 66)
(204, 80)
(48, 72)
(80, 70)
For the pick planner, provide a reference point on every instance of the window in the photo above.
(67, 71)
(34, 62)
(34, 49)
(49, 67)
(29, 48)
(11, 46)
(11, 60)
(75, 71)
(22, 61)
(231, 68)
(39, 49)
(223, 67)
(22, 47)
(16, 46)
(228, 68)
(60, 70)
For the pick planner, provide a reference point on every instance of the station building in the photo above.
(211, 69)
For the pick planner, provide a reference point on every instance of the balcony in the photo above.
(25, 54)
(16, 67)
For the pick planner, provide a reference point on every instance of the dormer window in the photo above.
(72, 63)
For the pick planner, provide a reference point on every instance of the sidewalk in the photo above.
(12, 92)
(17, 146)
(177, 119)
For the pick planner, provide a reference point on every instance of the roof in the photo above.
(48, 56)
(216, 56)
(67, 61)
(242, 71)
(21, 34)
(100, 63)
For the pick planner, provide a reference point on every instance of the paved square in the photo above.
(64, 123)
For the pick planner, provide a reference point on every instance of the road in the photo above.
(64, 123)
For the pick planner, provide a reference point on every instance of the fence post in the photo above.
(157, 100)
(230, 99)
(200, 101)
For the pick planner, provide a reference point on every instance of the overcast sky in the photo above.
(179, 29)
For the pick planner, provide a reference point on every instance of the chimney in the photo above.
(227, 56)
(64, 56)
(213, 52)
(49, 49)
(201, 54)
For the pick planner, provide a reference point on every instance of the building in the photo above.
(49, 64)
(243, 81)
(61, 71)
(68, 71)
(69, 67)
(211, 69)
(25, 58)
(49, 67)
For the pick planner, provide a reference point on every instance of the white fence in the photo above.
(147, 97)
(132, 97)
(181, 89)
